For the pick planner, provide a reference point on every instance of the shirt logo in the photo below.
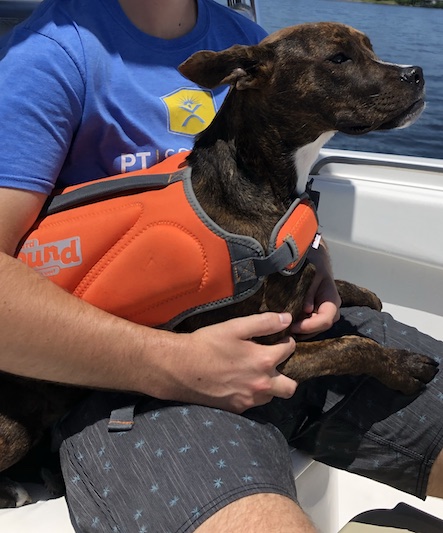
(190, 111)
(51, 257)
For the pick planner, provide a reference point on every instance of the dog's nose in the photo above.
(413, 75)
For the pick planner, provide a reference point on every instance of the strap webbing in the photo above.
(278, 260)
(101, 190)
(122, 419)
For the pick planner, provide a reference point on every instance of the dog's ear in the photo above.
(244, 67)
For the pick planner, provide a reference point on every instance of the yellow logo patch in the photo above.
(190, 111)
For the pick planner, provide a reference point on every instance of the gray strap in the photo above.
(102, 190)
(313, 195)
(278, 260)
(122, 419)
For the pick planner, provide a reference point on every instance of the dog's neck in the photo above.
(246, 147)
(305, 157)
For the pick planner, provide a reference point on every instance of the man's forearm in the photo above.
(49, 334)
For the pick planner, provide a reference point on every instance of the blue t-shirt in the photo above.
(85, 94)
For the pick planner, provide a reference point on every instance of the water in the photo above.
(404, 35)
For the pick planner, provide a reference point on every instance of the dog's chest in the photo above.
(305, 157)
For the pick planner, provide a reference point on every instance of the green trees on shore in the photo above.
(421, 3)
(416, 3)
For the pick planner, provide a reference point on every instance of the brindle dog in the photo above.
(288, 96)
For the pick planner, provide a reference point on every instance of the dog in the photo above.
(288, 96)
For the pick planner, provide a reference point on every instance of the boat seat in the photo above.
(402, 518)
(44, 516)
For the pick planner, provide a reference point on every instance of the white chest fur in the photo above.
(305, 157)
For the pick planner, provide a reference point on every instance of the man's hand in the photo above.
(223, 367)
(322, 303)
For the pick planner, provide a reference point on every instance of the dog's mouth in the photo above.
(403, 120)
(406, 118)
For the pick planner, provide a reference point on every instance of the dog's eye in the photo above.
(339, 58)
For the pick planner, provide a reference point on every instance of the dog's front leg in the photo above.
(351, 295)
(398, 369)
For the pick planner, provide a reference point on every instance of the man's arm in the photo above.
(49, 334)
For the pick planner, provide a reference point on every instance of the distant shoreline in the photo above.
(437, 5)
(385, 2)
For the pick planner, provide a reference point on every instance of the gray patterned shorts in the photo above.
(179, 464)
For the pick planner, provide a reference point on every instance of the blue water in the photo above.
(405, 35)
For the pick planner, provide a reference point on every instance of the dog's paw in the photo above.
(353, 295)
(410, 372)
(12, 494)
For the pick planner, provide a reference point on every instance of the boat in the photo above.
(398, 253)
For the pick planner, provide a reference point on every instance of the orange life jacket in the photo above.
(140, 246)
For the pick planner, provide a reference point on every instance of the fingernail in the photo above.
(285, 318)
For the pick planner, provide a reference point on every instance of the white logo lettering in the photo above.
(130, 160)
(51, 257)
(140, 160)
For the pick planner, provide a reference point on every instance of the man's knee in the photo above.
(259, 513)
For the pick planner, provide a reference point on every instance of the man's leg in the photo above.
(355, 418)
(359, 425)
(435, 484)
(178, 469)
(260, 513)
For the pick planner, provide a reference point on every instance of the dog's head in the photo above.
(324, 76)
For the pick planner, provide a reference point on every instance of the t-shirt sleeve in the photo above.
(41, 106)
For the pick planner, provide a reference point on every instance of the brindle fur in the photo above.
(285, 93)
(297, 85)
